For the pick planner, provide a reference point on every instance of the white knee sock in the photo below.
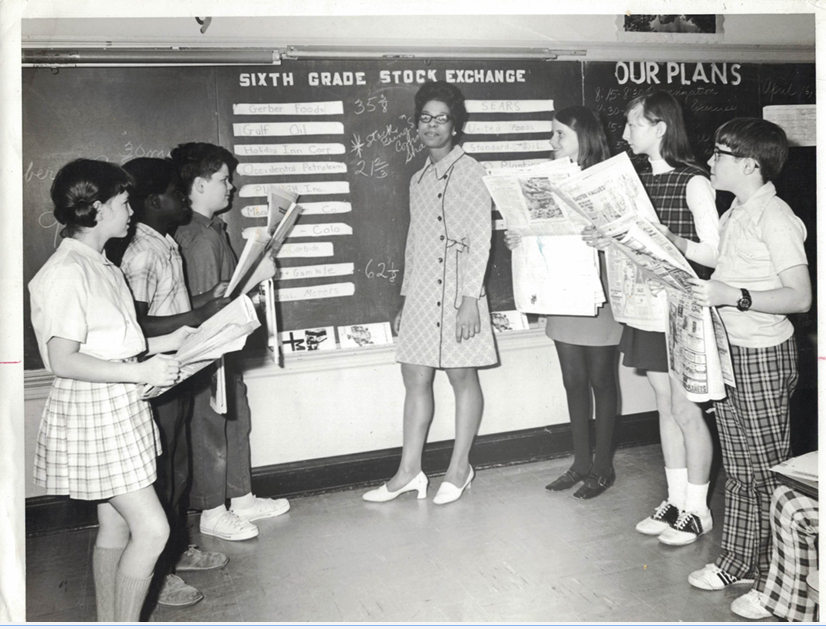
(695, 498)
(677, 486)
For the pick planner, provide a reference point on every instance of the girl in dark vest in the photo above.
(682, 194)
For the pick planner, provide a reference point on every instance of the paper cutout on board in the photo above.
(305, 250)
(508, 106)
(364, 335)
(798, 121)
(295, 129)
(321, 230)
(521, 146)
(309, 340)
(252, 150)
(313, 271)
(323, 291)
(495, 127)
(278, 169)
(299, 188)
(320, 108)
(513, 164)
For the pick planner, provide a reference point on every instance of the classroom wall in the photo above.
(321, 406)
(352, 403)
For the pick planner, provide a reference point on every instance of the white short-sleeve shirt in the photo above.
(81, 296)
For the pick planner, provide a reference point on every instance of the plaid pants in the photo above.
(794, 527)
(753, 422)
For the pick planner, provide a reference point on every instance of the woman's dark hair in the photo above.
(151, 175)
(593, 145)
(448, 94)
(659, 106)
(79, 185)
(200, 159)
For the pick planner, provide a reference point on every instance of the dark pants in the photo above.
(172, 415)
(220, 443)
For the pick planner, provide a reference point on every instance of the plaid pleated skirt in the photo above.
(96, 440)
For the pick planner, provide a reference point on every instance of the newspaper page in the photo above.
(254, 266)
(224, 332)
(554, 272)
(640, 259)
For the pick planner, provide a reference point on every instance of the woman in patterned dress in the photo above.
(445, 321)
(586, 346)
(97, 440)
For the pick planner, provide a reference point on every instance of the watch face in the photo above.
(744, 303)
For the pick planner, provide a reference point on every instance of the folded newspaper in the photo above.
(611, 197)
(800, 472)
(224, 332)
(554, 272)
(254, 265)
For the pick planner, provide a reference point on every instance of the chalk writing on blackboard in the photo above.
(384, 270)
(370, 105)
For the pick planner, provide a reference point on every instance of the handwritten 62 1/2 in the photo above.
(385, 271)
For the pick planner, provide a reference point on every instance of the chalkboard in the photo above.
(343, 129)
(366, 116)
(114, 114)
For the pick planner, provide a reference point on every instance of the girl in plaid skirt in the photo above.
(97, 440)
(682, 195)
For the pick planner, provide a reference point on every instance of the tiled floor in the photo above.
(508, 551)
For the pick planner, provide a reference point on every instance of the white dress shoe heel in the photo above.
(448, 492)
(382, 494)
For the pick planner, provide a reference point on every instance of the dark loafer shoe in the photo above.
(566, 481)
(595, 485)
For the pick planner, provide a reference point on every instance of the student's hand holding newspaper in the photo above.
(160, 370)
(713, 293)
(177, 337)
(512, 239)
(595, 238)
(220, 289)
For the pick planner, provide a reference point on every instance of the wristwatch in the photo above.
(744, 303)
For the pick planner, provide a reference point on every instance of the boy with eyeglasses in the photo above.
(761, 276)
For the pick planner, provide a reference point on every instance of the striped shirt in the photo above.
(154, 270)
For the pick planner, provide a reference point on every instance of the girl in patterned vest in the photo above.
(682, 194)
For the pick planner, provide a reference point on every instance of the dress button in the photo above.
(438, 281)
(441, 260)
(439, 195)
(438, 303)
(438, 325)
(441, 237)
(438, 218)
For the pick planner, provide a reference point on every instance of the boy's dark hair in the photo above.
(448, 94)
(151, 175)
(763, 141)
(79, 185)
(200, 159)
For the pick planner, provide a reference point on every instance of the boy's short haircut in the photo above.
(200, 159)
(759, 139)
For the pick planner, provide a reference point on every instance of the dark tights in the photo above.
(585, 368)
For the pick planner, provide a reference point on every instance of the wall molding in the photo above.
(53, 514)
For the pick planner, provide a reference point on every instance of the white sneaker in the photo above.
(228, 526)
(664, 516)
(712, 578)
(750, 606)
(263, 508)
(688, 527)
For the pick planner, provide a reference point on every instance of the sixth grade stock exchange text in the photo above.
(287, 79)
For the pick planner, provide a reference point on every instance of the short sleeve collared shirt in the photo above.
(759, 239)
(208, 256)
(154, 270)
(81, 296)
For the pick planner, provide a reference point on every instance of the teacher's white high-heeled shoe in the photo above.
(448, 492)
(382, 494)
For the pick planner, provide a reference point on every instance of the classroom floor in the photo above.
(508, 551)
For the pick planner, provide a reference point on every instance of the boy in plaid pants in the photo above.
(761, 276)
